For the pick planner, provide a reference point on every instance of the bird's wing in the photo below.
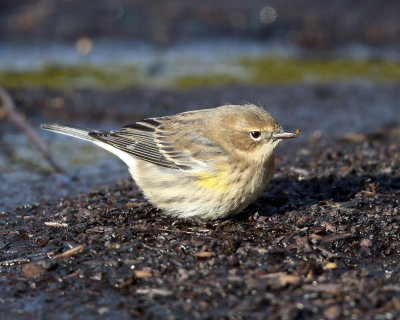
(179, 142)
(146, 140)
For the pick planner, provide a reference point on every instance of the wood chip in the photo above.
(204, 254)
(335, 237)
(330, 265)
(315, 237)
(329, 226)
(301, 171)
(71, 275)
(144, 273)
(282, 278)
(327, 288)
(155, 291)
(132, 204)
(56, 224)
(69, 253)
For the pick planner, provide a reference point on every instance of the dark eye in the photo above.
(255, 135)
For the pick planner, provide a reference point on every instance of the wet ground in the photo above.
(322, 242)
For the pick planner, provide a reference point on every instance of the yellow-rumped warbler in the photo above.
(209, 163)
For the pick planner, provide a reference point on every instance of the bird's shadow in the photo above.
(286, 194)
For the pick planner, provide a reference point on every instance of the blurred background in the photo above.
(327, 67)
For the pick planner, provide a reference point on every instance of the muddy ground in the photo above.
(321, 243)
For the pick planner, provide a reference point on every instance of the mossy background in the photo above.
(258, 70)
(71, 77)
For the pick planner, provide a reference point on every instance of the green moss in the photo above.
(189, 81)
(63, 77)
(273, 70)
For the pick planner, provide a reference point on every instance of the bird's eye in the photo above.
(255, 135)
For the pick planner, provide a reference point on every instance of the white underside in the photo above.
(125, 157)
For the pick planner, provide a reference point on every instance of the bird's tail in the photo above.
(69, 131)
(84, 134)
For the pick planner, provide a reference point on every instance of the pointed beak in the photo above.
(286, 135)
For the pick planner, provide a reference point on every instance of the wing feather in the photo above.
(166, 142)
(141, 140)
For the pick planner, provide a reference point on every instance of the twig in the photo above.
(56, 224)
(9, 111)
(69, 252)
(175, 231)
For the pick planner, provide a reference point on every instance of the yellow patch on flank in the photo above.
(215, 180)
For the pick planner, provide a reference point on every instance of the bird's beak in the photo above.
(286, 135)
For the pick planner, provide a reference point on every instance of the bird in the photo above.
(208, 164)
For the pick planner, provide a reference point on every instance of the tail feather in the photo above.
(84, 134)
(69, 131)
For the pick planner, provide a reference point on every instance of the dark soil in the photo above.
(321, 243)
